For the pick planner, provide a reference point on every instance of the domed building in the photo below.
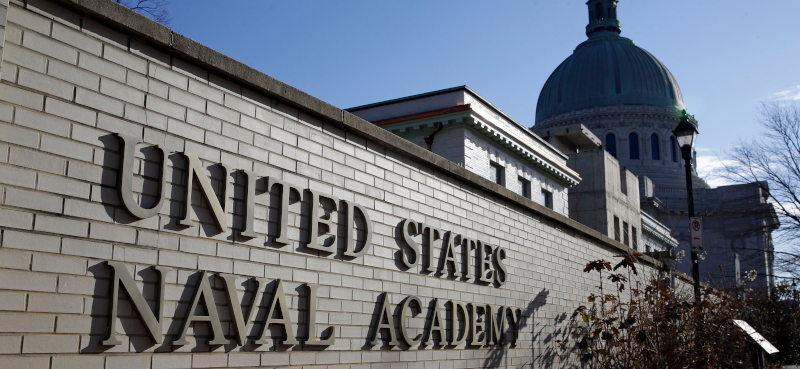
(631, 101)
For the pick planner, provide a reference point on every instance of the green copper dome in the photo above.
(607, 70)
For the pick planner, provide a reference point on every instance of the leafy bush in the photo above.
(639, 321)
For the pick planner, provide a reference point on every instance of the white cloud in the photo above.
(791, 94)
(708, 167)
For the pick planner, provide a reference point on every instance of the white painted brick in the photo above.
(128, 361)
(13, 259)
(49, 47)
(55, 303)
(125, 59)
(76, 39)
(63, 186)
(121, 92)
(26, 323)
(177, 259)
(243, 268)
(17, 176)
(116, 125)
(68, 148)
(201, 89)
(203, 121)
(18, 135)
(215, 264)
(137, 81)
(99, 102)
(88, 210)
(141, 255)
(237, 133)
(209, 360)
(222, 112)
(21, 97)
(50, 344)
(14, 362)
(71, 112)
(48, 85)
(58, 264)
(6, 113)
(29, 20)
(78, 362)
(165, 107)
(70, 246)
(167, 76)
(196, 246)
(35, 160)
(15, 219)
(102, 67)
(172, 361)
(220, 142)
(12, 280)
(42, 122)
(60, 225)
(10, 344)
(242, 359)
(186, 99)
(102, 231)
(33, 200)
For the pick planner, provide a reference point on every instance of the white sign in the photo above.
(696, 232)
(760, 340)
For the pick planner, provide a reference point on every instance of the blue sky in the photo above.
(727, 55)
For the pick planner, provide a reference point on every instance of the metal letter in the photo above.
(194, 168)
(286, 189)
(350, 230)
(497, 328)
(151, 322)
(125, 179)
(249, 205)
(476, 324)
(203, 291)
(312, 321)
(455, 308)
(431, 234)
(500, 274)
(315, 221)
(436, 325)
(410, 243)
(403, 327)
(449, 255)
(485, 273)
(279, 305)
(241, 322)
(385, 313)
(515, 314)
(468, 245)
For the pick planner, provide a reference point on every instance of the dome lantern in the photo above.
(602, 17)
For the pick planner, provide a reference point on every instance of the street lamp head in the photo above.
(686, 133)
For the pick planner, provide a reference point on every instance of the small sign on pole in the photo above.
(696, 233)
(758, 338)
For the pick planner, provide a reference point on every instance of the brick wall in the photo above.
(71, 81)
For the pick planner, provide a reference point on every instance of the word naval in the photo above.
(488, 266)
(481, 325)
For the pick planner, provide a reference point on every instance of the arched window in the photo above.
(673, 149)
(633, 145)
(599, 11)
(611, 144)
(655, 147)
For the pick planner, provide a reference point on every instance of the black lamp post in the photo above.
(686, 133)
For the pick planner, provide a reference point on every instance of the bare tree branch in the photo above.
(773, 163)
(153, 9)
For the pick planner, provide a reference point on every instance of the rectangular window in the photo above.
(616, 228)
(634, 239)
(496, 173)
(547, 199)
(625, 235)
(524, 187)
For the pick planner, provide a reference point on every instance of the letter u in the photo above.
(125, 180)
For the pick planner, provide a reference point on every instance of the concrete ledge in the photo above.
(162, 38)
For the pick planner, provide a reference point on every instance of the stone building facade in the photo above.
(465, 128)
(164, 206)
(631, 101)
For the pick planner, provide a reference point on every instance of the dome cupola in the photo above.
(607, 70)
